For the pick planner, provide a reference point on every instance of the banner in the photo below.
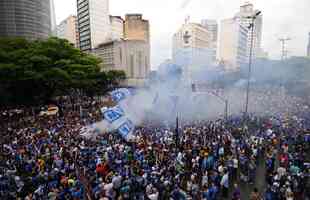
(113, 114)
(126, 129)
(119, 95)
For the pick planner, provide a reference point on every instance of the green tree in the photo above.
(32, 72)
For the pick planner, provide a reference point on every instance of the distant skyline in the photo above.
(280, 18)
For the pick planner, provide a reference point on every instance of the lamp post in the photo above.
(252, 26)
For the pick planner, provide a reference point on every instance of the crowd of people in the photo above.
(45, 157)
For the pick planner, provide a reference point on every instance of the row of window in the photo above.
(83, 14)
(82, 9)
(83, 19)
(81, 1)
(84, 43)
(82, 4)
(86, 23)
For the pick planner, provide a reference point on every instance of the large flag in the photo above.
(113, 114)
(126, 129)
(120, 94)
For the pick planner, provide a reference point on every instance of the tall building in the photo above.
(192, 49)
(136, 28)
(67, 29)
(212, 27)
(308, 50)
(117, 28)
(131, 56)
(93, 23)
(53, 18)
(247, 10)
(31, 19)
(233, 44)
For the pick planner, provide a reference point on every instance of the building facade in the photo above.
(233, 44)
(136, 28)
(117, 28)
(67, 29)
(31, 19)
(193, 49)
(93, 23)
(247, 10)
(308, 49)
(212, 27)
(131, 56)
(53, 18)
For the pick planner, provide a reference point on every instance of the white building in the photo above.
(192, 49)
(117, 28)
(53, 18)
(247, 10)
(67, 29)
(93, 23)
(212, 27)
(233, 44)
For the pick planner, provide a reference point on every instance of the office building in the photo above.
(136, 28)
(131, 56)
(233, 44)
(31, 19)
(192, 48)
(67, 29)
(53, 19)
(212, 27)
(93, 23)
(247, 10)
(117, 28)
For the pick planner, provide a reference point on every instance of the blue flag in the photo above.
(111, 115)
(120, 94)
(126, 128)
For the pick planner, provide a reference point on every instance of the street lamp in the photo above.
(250, 58)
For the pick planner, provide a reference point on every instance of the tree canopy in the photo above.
(32, 72)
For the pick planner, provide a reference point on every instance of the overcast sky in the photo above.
(280, 18)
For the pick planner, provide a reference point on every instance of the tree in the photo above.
(32, 72)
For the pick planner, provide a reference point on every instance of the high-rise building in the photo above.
(233, 44)
(131, 56)
(308, 50)
(247, 10)
(93, 23)
(31, 19)
(192, 48)
(117, 28)
(136, 28)
(212, 27)
(53, 18)
(67, 29)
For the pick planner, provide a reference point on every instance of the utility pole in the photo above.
(284, 50)
(253, 18)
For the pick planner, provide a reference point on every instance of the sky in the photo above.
(281, 18)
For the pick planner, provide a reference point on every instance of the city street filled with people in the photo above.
(248, 158)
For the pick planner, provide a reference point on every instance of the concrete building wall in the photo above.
(233, 44)
(30, 19)
(99, 21)
(67, 29)
(131, 56)
(212, 27)
(247, 10)
(192, 35)
(117, 28)
(136, 28)
(93, 23)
